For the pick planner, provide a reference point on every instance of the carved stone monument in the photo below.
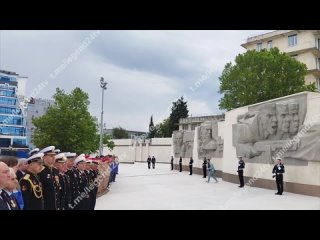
(183, 143)
(209, 143)
(268, 128)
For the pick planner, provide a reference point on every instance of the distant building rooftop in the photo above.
(8, 72)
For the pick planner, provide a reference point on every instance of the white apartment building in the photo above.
(304, 45)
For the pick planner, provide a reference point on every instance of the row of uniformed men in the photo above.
(58, 181)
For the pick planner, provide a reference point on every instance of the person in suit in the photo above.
(11, 186)
(241, 166)
(149, 162)
(171, 162)
(204, 168)
(278, 171)
(180, 164)
(190, 165)
(22, 167)
(4, 179)
(153, 160)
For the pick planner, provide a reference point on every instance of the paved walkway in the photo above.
(138, 187)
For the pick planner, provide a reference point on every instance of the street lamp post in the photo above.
(103, 85)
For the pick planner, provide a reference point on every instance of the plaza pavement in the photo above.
(140, 188)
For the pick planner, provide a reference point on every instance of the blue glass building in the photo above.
(12, 124)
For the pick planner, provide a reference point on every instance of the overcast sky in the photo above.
(146, 70)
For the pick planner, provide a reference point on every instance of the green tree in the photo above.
(260, 76)
(163, 129)
(107, 141)
(119, 133)
(68, 124)
(178, 110)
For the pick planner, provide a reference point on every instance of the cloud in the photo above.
(146, 70)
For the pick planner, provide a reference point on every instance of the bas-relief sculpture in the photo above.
(183, 143)
(266, 128)
(209, 143)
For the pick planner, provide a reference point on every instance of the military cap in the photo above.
(89, 161)
(36, 158)
(80, 158)
(57, 151)
(95, 162)
(34, 151)
(70, 155)
(60, 158)
(48, 150)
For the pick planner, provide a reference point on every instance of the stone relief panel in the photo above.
(209, 143)
(183, 143)
(270, 127)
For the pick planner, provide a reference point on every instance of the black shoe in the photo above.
(240, 186)
(277, 193)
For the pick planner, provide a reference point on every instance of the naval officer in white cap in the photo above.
(31, 187)
(49, 177)
(34, 151)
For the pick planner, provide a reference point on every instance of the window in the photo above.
(8, 110)
(318, 63)
(7, 93)
(269, 44)
(16, 142)
(7, 101)
(318, 43)
(259, 47)
(5, 142)
(318, 84)
(193, 126)
(185, 127)
(293, 40)
(15, 131)
(10, 120)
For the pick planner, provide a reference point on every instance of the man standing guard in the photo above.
(278, 171)
(204, 168)
(180, 164)
(149, 161)
(49, 177)
(71, 173)
(190, 165)
(171, 163)
(241, 166)
(153, 160)
(64, 180)
(95, 174)
(82, 202)
(31, 186)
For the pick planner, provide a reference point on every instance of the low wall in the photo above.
(129, 151)
(301, 176)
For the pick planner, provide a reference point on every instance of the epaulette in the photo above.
(27, 176)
